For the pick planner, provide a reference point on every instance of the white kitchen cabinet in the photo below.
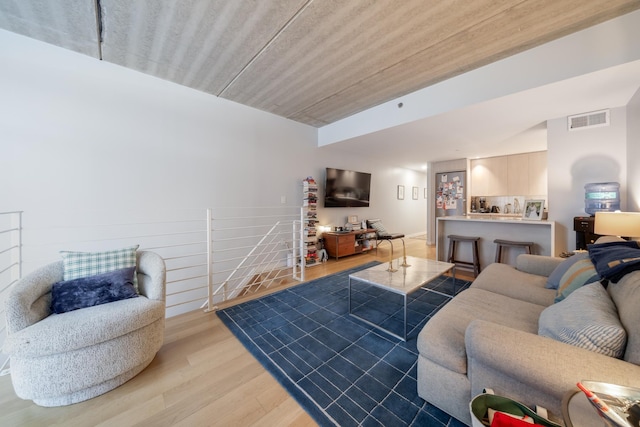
(479, 181)
(538, 173)
(514, 175)
(489, 176)
(518, 174)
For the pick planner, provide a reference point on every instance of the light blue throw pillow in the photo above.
(587, 319)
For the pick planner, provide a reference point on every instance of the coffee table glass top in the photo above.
(406, 279)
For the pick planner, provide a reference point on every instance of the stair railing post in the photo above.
(210, 261)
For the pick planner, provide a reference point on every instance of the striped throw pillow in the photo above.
(579, 274)
(587, 319)
(553, 281)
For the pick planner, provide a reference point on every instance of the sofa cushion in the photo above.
(577, 275)
(587, 319)
(553, 282)
(626, 296)
(505, 280)
(442, 338)
(85, 264)
(540, 265)
(94, 290)
(61, 333)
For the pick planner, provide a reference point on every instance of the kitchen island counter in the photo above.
(489, 228)
(488, 215)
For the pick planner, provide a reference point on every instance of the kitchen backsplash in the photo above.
(505, 204)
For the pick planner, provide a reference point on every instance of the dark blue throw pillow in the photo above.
(94, 290)
(615, 259)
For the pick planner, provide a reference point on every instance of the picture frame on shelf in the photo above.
(400, 192)
(414, 193)
(353, 219)
(533, 209)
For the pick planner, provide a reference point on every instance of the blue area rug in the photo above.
(342, 371)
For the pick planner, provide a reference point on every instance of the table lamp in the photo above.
(323, 229)
(620, 224)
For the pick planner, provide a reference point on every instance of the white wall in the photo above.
(633, 153)
(82, 134)
(580, 157)
(402, 216)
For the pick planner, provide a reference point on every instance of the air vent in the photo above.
(588, 120)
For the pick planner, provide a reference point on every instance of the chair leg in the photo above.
(476, 259)
(452, 249)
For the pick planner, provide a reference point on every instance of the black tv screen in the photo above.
(346, 189)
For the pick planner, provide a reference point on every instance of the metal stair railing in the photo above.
(248, 258)
(248, 252)
(10, 268)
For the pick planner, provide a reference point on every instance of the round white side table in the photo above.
(578, 412)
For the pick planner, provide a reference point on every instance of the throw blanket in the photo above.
(615, 259)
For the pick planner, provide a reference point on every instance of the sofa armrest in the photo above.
(29, 300)
(537, 264)
(536, 369)
(152, 275)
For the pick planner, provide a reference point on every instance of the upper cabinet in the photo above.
(518, 174)
(538, 173)
(489, 176)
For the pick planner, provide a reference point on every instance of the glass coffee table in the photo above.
(402, 281)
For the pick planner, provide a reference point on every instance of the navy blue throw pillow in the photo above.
(615, 259)
(94, 290)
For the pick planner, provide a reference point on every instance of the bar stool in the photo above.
(528, 247)
(453, 240)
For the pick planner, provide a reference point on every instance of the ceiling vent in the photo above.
(588, 120)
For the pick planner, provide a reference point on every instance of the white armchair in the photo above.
(60, 359)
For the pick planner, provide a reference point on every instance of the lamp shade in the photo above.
(625, 224)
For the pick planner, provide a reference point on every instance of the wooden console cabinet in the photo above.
(339, 244)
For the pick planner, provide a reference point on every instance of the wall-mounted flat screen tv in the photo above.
(346, 189)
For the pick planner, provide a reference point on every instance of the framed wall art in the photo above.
(400, 192)
(533, 209)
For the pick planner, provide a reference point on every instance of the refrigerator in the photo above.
(451, 193)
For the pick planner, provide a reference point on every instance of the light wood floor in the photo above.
(202, 376)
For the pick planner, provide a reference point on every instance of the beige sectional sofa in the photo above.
(487, 337)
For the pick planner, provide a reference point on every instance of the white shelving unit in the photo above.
(309, 219)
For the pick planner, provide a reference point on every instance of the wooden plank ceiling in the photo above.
(313, 61)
